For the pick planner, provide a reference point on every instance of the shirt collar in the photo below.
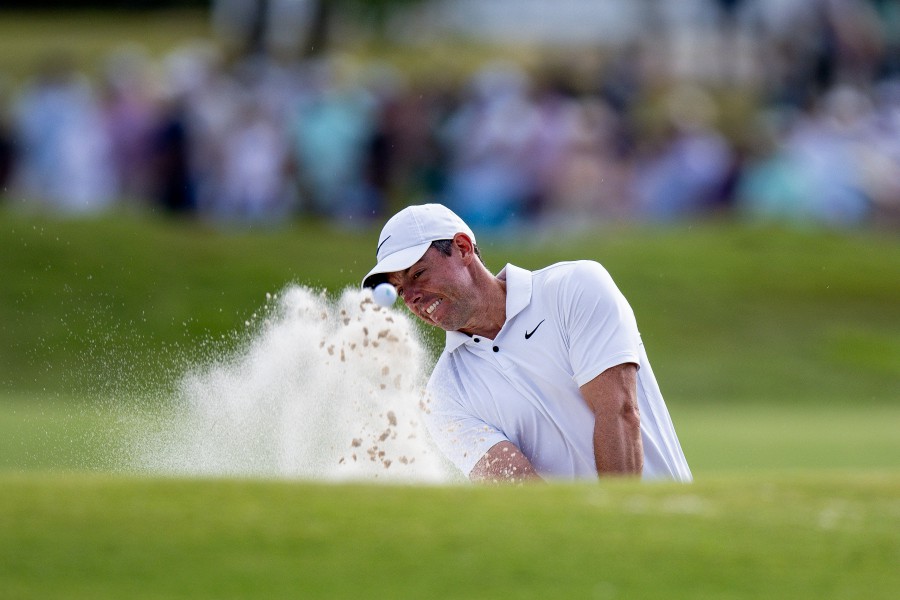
(518, 296)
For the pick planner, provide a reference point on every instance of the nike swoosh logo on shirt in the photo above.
(528, 334)
(378, 249)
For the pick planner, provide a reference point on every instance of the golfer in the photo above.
(543, 376)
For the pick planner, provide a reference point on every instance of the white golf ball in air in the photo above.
(384, 294)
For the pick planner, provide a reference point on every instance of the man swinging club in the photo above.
(543, 376)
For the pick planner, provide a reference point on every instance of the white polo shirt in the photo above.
(565, 324)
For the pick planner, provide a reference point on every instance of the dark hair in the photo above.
(445, 247)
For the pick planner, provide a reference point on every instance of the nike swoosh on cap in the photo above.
(378, 249)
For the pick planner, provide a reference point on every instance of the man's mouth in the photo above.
(433, 306)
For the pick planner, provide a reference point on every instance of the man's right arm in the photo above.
(504, 463)
(477, 448)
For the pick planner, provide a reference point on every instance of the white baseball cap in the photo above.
(407, 236)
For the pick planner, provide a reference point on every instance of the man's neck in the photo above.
(490, 320)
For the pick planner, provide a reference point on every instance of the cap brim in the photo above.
(398, 261)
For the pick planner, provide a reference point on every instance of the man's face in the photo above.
(437, 289)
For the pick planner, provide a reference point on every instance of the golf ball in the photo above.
(384, 294)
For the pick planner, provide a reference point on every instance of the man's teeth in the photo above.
(431, 308)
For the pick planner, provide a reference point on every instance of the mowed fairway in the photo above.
(778, 353)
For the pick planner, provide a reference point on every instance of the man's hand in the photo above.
(612, 396)
(504, 463)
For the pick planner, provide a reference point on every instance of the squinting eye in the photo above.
(416, 276)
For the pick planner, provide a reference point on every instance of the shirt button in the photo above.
(496, 348)
(476, 340)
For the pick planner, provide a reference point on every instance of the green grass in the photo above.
(56, 435)
(754, 438)
(88, 300)
(64, 435)
(830, 536)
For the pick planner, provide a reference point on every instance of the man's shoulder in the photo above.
(442, 374)
(571, 271)
(570, 283)
(444, 389)
(568, 267)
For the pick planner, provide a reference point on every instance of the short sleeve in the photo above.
(599, 323)
(459, 434)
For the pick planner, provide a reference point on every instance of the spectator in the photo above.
(173, 186)
(490, 180)
(66, 154)
(7, 142)
(686, 172)
(255, 185)
(330, 132)
(130, 114)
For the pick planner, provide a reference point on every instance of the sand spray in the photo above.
(322, 389)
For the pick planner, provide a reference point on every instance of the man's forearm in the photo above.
(618, 449)
(612, 396)
(504, 463)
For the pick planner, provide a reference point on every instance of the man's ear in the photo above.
(463, 244)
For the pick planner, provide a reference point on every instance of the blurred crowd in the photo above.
(787, 111)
